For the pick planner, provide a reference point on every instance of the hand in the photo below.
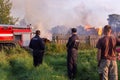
(118, 56)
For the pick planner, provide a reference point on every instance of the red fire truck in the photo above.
(11, 34)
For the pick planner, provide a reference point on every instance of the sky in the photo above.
(46, 14)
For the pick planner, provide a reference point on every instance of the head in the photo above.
(107, 30)
(74, 30)
(37, 32)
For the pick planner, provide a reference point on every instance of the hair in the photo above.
(107, 28)
(37, 32)
(74, 30)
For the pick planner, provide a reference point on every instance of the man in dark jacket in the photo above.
(106, 55)
(38, 46)
(72, 50)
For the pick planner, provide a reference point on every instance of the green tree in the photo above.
(5, 18)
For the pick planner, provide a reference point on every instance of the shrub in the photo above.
(87, 65)
(18, 65)
(84, 46)
(53, 48)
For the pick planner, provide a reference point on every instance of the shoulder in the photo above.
(74, 35)
(35, 38)
(41, 39)
(113, 37)
(77, 36)
(101, 39)
(70, 36)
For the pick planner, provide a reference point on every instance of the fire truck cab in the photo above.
(11, 34)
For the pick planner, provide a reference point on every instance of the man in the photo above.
(106, 57)
(72, 50)
(38, 46)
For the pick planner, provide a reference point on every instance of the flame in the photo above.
(99, 31)
(87, 26)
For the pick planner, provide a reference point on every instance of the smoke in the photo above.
(46, 14)
(44, 32)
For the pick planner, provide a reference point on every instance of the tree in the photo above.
(5, 18)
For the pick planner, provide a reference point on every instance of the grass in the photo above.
(17, 64)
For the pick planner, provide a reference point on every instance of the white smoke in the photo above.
(47, 14)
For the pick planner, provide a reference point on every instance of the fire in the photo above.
(87, 26)
(99, 31)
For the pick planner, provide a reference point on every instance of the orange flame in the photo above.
(87, 26)
(99, 31)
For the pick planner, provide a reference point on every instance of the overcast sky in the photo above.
(71, 13)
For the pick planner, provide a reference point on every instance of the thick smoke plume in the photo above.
(46, 14)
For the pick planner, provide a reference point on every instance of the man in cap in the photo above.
(106, 55)
(38, 46)
(72, 51)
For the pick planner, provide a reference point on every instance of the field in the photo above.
(17, 64)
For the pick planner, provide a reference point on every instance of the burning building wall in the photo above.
(86, 34)
(81, 30)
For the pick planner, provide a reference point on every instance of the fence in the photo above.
(91, 40)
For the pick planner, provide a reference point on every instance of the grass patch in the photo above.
(17, 64)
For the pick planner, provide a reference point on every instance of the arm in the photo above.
(99, 55)
(118, 42)
(68, 43)
(42, 45)
(98, 51)
(30, 44)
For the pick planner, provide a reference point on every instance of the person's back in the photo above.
(72, 51)
(37, 43)
(108, 47)
(73, 42)
(106, 56)
(38, 46)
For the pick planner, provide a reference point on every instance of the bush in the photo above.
(84, 46)
(87, 65)
(18, 65)
(53, 48)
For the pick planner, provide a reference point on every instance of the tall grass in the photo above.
(54, 49)
(17, 64)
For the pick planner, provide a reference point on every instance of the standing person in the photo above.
(106, 56)
(38, 46)
(72, 51)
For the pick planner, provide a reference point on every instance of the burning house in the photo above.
(86, 34)
(87, 31)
